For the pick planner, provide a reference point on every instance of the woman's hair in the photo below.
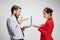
(48, 10)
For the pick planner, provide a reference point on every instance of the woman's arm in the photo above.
(35, 26)
(46, 28)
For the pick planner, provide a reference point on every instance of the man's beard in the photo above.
(16, 16)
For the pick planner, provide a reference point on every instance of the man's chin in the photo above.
(17, 17)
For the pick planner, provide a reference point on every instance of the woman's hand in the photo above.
(35, 26)
(38, 26)
(42, 25)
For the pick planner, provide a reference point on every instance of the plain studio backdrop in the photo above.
(32, 8)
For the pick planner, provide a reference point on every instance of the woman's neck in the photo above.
(49, 17)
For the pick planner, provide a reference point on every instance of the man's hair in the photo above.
(15, 7)
(48, 10)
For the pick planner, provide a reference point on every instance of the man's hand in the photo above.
(26, 27)
(22, 20)
(23, 29)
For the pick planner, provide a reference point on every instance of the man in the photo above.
(14, 26)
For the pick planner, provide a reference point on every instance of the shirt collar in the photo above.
(13, 17)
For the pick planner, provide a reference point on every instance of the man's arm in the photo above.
(24, 27)
(22, 20)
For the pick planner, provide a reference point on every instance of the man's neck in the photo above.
(15, 16)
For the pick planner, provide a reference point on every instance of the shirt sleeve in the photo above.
(47, 29)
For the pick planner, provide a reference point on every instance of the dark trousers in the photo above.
(17, 39)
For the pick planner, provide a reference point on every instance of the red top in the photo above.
(46, 30)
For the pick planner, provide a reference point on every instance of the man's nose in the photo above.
(19, 14)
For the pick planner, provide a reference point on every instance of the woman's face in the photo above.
(45, 15)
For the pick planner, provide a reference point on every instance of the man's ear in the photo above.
(15, 11)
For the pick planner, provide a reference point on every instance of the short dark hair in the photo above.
(15, 7)
(48, 10)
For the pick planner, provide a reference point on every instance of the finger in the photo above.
(21, 18)
(26, 19)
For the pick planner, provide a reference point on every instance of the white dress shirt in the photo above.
(14, 28)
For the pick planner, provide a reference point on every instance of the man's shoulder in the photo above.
(9, 18)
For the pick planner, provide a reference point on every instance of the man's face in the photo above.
(17, 13)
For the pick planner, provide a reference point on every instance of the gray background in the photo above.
(30, 8)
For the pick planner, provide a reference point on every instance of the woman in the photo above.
(47, 28)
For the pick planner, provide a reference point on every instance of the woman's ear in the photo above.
(49, 14)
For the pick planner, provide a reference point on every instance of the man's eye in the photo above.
(44, 13)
